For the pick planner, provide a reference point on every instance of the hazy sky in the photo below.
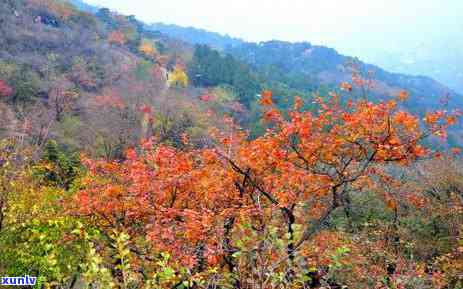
(351, 26)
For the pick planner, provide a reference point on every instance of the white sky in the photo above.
(351, 26)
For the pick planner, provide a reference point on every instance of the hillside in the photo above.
(87, 79)
(105, 52)
(302, 64)
(305, 66)
(435, 60)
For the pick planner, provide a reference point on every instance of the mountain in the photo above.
(303, 66)
(105, 56)
(442, 61)
(196, 36)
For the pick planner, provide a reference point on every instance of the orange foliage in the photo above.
(297, 173)
(117, 38)
(346, 86)
(266, 99)
(110, 99)
(147, 49)
(172, 195)
(403, 95)
(456, 151)
(298, 103)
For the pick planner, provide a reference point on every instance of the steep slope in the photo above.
(95, 82)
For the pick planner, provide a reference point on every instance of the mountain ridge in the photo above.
(230, 44)
(196, 35)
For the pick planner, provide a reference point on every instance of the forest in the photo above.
(131, 159)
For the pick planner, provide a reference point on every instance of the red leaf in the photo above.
(5, 89)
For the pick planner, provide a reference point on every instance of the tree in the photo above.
(8, 120)
(147, 48)
(178, 77)
(209, 68)
(306, 167)
(87, 74)
(58, 167)
(26, 83)
(31, 227)
(197, 203)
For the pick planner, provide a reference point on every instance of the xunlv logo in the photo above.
(18, 281)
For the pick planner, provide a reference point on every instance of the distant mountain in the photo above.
(196, 36)
(442, 61)
(304, 66)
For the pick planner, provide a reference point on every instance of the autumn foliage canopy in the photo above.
(133, 160)
(296, 175)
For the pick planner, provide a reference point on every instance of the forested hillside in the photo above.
(69, 71)
(303, 65)
(133, 159)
